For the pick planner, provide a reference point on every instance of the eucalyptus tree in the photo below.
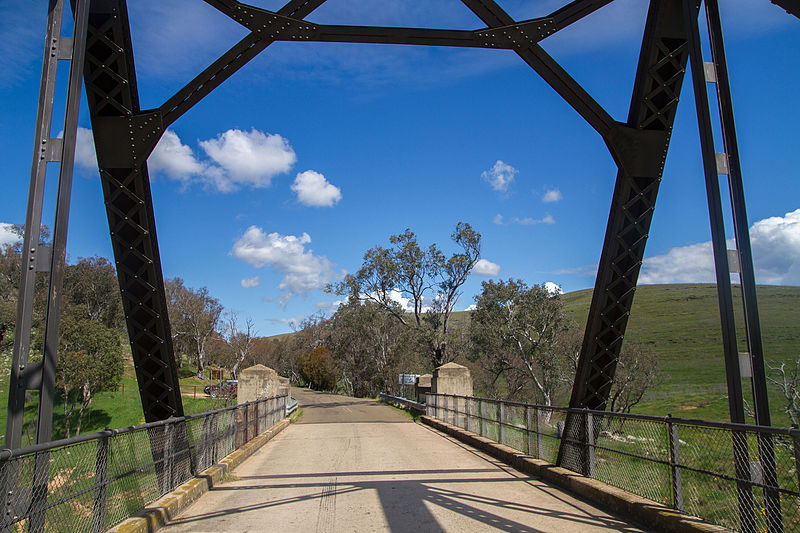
(424, 279)
(194, 318)
(516, 332)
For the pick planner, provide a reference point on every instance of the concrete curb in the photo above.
(158, 513)
(643, 511)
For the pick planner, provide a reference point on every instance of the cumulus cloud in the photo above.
(174, 159)
(7, 235)
(527, 221)
(553, 288)
(471, 307)
(500, 176)
(498, 219)
(236, 159)
(551, 196)
(249, 283)
(314, 190)
(250, 158)
(776, 254)
(302, 270)
(485, 268)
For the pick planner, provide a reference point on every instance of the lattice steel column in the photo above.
(640, 149)
(124, 137)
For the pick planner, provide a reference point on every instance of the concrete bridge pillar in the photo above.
(452, 378)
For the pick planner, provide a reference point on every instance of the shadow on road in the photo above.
(395, 496)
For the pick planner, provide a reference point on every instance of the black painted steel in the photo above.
(124, 137)
(724, 292)
(643, 143)
(791, 6)
(31, 245)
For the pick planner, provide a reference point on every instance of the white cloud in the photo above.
(249, 283)
(7, 235)
(485, 268)
(292, 322)
(585, 270)
(500, 176)
(498, 219)
(552, 195)
(303, 271)
(174, 159)
(396, 295)
(553, 288)
(330, 306)
(249, 158)
(527, 221)
(471, 307)
(314, 190)
(776, 253)
(85, 155)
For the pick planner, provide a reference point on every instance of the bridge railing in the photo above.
(92, 482)
(403, 402)
(688, 465)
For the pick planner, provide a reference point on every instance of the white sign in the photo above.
(408, 379)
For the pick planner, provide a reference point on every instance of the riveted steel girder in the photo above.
(641, 148)
(124, 137)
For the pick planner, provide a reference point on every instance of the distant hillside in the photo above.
(681, 323)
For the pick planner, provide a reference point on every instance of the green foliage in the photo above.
(364, 339)
(90, 362)
(194, 317)
(92, 291)
(416, 274)
(515, 333)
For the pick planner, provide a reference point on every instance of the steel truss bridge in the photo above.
(101, 60)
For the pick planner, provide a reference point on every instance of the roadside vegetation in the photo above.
(521, 341)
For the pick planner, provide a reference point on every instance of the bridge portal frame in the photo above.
(125, 135)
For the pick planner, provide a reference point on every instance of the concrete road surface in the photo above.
(355, 465)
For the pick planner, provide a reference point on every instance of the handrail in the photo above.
(792, 432)
(403, 401)
(6, 453)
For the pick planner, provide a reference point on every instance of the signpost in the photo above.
(407, 379)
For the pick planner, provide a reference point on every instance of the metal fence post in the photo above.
(168, 458)
(529, 428)
(468, 408)
(246, 424)
(589, 430)
(502, 419)
(446, 412)
(675, 464)
(483, 418)
(539, 439)
(100, 478)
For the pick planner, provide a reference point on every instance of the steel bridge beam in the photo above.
(644, 143)
(124, 137)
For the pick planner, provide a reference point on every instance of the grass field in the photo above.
(118, 409)
(681, 323)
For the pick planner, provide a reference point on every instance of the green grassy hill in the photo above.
(681, 322)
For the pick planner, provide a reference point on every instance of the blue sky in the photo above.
(278, 182)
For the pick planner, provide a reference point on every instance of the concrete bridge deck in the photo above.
(355, 465)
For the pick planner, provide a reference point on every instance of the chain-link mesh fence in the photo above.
(90, 483)
(744, 478)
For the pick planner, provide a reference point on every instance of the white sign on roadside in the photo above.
(408, 379)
